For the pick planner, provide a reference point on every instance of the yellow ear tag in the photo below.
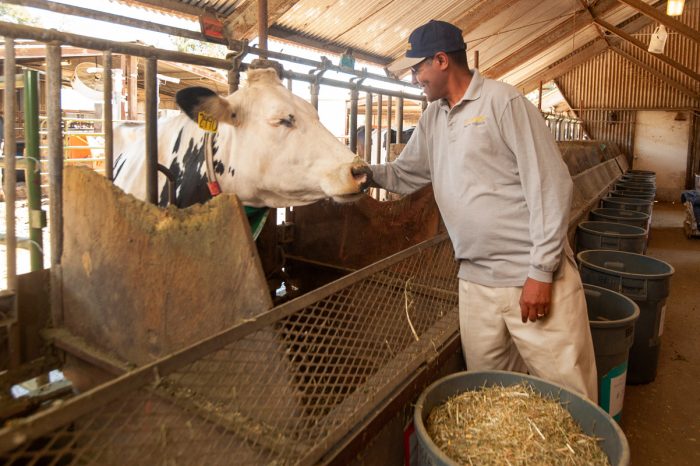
(207, 123)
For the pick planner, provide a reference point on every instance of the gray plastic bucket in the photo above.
(628, 203)
(638, 185)
(592, 419)
(644, 280)
(636, 194)
(628, 217)
(625, 189)
(610, 235)
(642, 172)
(639, 177)
(611, 316)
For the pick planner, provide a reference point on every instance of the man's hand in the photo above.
(535, 299)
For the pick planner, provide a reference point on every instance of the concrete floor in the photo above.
(662, 419)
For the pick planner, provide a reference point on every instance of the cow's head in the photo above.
(278, 151)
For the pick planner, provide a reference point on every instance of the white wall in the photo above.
(661, 145)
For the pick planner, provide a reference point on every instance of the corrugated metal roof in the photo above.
(496, 28)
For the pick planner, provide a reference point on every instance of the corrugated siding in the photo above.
(610, 125)
(611, 81)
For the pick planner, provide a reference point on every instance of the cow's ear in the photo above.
(195, 100)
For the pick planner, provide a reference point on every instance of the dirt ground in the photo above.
(662, 419)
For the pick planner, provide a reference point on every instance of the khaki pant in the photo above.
(557, 348)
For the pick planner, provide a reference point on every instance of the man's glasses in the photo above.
(414, 69)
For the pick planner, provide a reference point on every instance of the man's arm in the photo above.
(410, 171)
(547, 187)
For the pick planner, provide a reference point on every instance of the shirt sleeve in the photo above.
(546, 183)
(410, 171)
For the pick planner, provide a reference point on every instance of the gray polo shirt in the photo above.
(502, 187)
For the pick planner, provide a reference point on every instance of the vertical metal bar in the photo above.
(378, 149)
(55, 155)
(354, 98)
(31, 153)
(315, 88)
(10, 115)
(539, 98)
(390, 142)
(107, 114)
(368, 126)
(399, 122)
(132, 88)
(262, 27)
(124, 65)
(151, 130)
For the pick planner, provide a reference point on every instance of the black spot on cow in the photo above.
(219, 167)
(118, 165)
(190, 183)
(231, 171)
(176, 146)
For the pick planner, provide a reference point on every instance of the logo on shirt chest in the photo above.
(476, 121)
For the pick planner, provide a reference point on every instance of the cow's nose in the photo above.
(363, 175)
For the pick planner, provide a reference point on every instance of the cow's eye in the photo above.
(288, 122)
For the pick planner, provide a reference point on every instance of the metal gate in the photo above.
(286, 388)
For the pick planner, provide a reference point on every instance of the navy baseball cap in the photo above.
(427, 40)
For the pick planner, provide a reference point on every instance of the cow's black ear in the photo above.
(191, 99)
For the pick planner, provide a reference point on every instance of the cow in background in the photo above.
(269, 148)
(405, 136)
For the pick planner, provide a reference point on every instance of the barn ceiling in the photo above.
(521, 42)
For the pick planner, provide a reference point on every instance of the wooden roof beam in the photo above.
(664, 19)
(564, 65)
(671, 82)
(640, 45)
(546, 40)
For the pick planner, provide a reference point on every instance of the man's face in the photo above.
(430, 77)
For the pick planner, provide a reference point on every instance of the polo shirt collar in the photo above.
(473, 91)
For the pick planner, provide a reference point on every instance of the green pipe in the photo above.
(37, 217)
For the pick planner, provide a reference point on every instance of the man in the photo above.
(504, 193)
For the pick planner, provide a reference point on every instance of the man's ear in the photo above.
(442, 60)
(196, 100)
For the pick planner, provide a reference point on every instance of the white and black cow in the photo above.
(270, 149)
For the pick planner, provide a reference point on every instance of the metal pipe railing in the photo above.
(29, 32)
(151, 131)
(354, 102)
(368, 127)
(378, 149)
(55, 156)
(107, 114)
(10, 149)
(37, 220)
(44, 35)
(399, 121)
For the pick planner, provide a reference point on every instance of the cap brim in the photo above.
(402, 64)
